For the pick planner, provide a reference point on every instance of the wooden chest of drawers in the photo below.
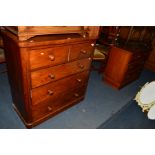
(47, 74)
(124, 66)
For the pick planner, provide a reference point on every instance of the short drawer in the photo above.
(139, 56)
(131, 76)
(135, 65)
(50, 74)
(51, 91)
(61, 102)
(48, 56)
(79, 51)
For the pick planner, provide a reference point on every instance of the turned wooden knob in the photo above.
(92, 44)
(49, 108)
(52, 58)
(83, 51)
(79, 80)
(50, 92)
(76, 94)
(81, 66)
(52, 76)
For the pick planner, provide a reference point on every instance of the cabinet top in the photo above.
(26, 32)
(48, 40)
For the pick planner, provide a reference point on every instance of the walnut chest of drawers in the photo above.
(124, 66)
(47, 74)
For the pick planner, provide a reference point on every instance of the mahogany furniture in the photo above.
(2, 56)
(48, 73)
(150, 63)
(124, 65)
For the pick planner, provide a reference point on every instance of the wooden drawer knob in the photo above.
(90, 58)
(76, 94)
(81, 66)
(52, 76)
(83, 51)
(79, 80)
(138, 56)
(49, 108)
(52, 58)
(92, 44)
(50, 92)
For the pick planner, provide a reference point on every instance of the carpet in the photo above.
(129, 117)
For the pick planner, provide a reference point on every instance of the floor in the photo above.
(129, 117)
(100, 103)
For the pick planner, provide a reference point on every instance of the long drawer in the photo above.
(48, 57)
(50, 74)
(52, 91)
(51, 107)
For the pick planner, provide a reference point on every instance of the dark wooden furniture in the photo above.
(108, 35)
(48, 73)
(150, 63)
(125, 65)
(2, 56)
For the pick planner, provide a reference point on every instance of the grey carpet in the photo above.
(129, 117)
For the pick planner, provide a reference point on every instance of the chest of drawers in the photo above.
(124, 66)
(47, 74)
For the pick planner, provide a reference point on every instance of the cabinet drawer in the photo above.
(60, 103)
(81, 51)
(135, 66)
(48, 57)
(131, 76)
(139, 56)
(51, 91)
(50, 74)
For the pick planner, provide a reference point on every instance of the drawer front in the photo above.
(135, 66)
(48, 75)
(139, 56)
(51, 107)
(131, 76)
(48, 56)
(52, 90)
(81, 51)
(135, 70)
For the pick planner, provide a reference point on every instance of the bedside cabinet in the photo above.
(124, 66)
(47, 74)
